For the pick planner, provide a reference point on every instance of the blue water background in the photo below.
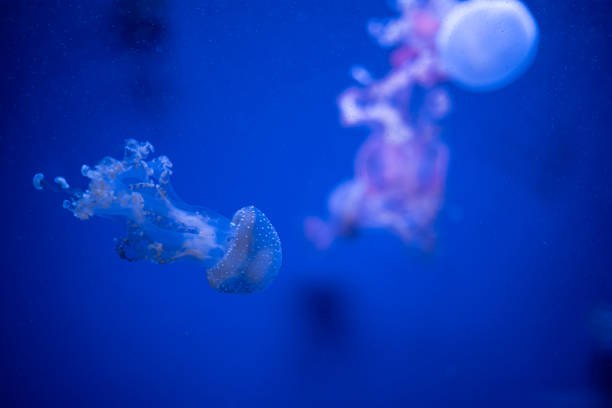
(241, 96)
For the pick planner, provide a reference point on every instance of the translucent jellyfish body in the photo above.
(400, 171)
(485, 44)
(240, 256)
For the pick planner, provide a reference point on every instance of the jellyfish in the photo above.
(400, 170)
(486, 44)
(242, 255)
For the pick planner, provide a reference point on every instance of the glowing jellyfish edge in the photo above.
(241, 256)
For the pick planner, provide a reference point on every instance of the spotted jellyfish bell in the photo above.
(253, 258)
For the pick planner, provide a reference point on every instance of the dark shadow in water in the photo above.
(601, 373)
(140, 24)
(140, 29)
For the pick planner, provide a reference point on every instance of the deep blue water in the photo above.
(241, 96)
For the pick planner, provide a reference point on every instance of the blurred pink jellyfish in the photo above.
(400, 170)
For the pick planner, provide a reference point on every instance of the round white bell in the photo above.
(486, 44)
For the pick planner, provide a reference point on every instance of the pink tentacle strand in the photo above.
(400, 170)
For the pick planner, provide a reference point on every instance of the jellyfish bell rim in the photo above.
(512, 10)
(254, 256)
